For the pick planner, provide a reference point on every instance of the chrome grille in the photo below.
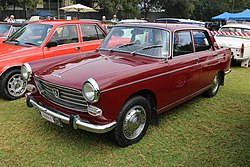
(62, 96)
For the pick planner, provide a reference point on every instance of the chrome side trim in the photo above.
(198, 92)
(77, 123)
(159, 75)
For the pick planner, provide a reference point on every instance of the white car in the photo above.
(236, 37)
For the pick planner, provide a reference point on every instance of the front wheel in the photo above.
(212, 91)
(12, 86)
(132, 122)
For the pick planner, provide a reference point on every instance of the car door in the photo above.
(208, 58)
(67, 41)
(184, 68)
(92, 36)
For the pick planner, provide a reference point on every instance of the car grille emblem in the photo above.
(56, 93)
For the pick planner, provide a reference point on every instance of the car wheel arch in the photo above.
(9, 68)
(150, 96)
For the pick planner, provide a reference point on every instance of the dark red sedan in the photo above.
(140, 71)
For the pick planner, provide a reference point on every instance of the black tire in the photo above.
(11, 85)
(132, 122)
(212, 91)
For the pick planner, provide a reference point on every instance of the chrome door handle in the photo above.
(77, 48)
(196, 60)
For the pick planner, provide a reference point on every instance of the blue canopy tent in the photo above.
(223, 16)
(244, 15)
(43, 14)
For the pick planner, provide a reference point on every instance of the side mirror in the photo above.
(51, 44)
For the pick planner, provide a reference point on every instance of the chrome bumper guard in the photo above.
(228, 71)
(74, 120)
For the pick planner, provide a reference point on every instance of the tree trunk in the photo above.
(24, 10)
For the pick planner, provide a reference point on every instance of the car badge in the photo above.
(56, 75)
(56, 93)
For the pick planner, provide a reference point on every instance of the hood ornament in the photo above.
(56, 75)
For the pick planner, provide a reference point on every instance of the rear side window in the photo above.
(201, 41)
(91, 32)
(65, 35)
(182, 43)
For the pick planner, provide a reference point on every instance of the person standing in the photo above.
(103, 19)
(114, 19)
(11, 19)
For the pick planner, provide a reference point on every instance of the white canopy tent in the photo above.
(78, 8)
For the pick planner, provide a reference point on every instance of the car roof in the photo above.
(57, 22)
(237, 25)
(169, 26)
(9, 23)
(177, 20)
(132, 21)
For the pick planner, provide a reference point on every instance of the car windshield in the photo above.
(31, 34)
(4, 30)
(144, 41)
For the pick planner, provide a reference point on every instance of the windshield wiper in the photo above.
(29, 43)
(127, 44)
(121, 46)
(146, 48)
(14, 40)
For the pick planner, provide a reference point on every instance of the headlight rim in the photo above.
(96, 90)
(28, 70)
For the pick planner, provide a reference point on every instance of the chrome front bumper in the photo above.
(73, 120)
(228, 71)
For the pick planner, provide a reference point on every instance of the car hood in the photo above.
(9, 50)
(2, 39)
(108, 69)
(230, 42)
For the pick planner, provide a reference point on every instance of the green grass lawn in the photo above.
(201, 132)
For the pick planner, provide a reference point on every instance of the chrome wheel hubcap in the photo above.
(215, 84)
(16, 86)
(134, 122)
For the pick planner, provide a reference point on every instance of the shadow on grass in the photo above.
(64, 137)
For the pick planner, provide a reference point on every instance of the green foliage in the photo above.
(201, 132)
(194, 9)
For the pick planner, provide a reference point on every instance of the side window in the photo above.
(100, 34)
(91, 32)
(182, 43)
(65, 35)
(201, 41)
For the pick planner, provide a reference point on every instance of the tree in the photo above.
(149, 5)
(179, 8)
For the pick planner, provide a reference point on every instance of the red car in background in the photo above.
(39, 40)
(7, 29)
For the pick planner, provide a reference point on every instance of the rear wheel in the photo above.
(212, 91)
(132, 122)
(12, 86)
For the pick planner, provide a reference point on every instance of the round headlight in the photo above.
(91, 91)
(26, 71)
